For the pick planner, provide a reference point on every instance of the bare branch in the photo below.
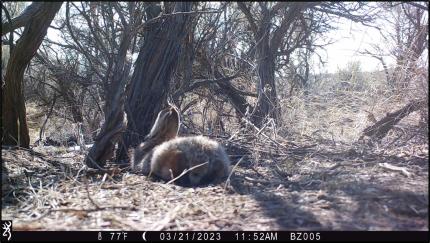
(425, 8)
(199, 83)
(325, 8)
(245, 10)
(293, 12)
(23, 18)
(11, 33)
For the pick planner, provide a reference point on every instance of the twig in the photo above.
(264, 135)
(89, 196)
(177, 13)
(227, 182)
(185, 172)
(395, 168)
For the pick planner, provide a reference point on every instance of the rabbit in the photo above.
(189, 161)
(165, 128)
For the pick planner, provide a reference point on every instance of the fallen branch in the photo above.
(381, 128)
(395, 168)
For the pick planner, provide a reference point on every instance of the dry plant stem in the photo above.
(264, 135)
(185, 172)
(231, 172)
(89, 196)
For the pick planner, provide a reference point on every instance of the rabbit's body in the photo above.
(171, 158)
(204, 158)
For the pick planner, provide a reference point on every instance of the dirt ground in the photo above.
(277, 185)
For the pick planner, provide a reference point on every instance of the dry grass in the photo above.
(58, 127)
(319, 178)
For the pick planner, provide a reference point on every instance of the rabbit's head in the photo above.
(165, 128)
(166, 125)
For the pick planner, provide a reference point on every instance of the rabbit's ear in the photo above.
(166, 125)
(174, 121)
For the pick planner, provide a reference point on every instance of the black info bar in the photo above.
(227, 236)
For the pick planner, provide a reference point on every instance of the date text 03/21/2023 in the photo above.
(209, 236)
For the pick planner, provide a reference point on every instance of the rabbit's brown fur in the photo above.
(166, 156)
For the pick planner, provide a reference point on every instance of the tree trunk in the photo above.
(14, 122)
(269, 39)
(154, 68)
(267, 102)
(115, 121)
(238, 101)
